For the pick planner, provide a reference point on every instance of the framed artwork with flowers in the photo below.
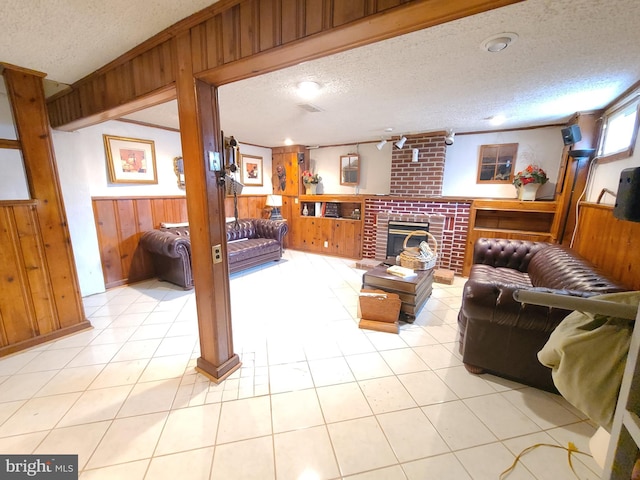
(495, 164)
(130, 160)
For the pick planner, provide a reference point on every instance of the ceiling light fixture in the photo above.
(288, 141)
(448, 139)
(308, 89)
(381, 144)
(499, 42)
(400, 143)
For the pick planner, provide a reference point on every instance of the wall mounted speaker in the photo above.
(300, 157)
(571, 135)
(628, 197)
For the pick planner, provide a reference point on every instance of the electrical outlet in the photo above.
(216, 251)
(295, 201)
(326, 244)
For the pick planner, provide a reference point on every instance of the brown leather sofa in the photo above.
(503, 336)
(250, 242)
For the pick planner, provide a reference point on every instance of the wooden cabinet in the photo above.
(339, 234)
(511, 219)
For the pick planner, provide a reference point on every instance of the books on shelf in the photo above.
(332, 209)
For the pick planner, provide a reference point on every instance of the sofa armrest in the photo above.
(500, 252)
(165, 243)
(493, 302)
(275, 229)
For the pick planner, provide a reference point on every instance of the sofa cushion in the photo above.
(513, 254)
(241, 229)
(249, 248)
(558, 268)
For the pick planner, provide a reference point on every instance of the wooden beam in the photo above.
(13, 144)
(374, 28)
(200, 135)
(162, 95)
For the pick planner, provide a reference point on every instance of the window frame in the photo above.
(612, 113)
(498, 147)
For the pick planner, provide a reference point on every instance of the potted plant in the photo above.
(528, 181)
(310, 181)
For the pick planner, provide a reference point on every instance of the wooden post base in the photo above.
(218, 374)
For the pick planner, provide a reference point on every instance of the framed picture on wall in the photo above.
(130, 160)
(251, 168)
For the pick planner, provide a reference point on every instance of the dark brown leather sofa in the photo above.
(503, 336)
(250, 242)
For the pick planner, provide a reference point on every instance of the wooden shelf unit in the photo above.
(514, 219)
(340, 236)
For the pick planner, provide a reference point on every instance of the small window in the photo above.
(495, 164)
(619, 132)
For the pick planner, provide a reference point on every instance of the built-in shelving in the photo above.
(332, 225)
(513, 219)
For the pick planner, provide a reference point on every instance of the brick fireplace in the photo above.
(449, 221)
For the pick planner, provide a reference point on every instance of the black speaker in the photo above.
(628, 197)
(571, 135)
(300, 157)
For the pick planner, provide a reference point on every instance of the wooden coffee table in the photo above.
(413, 291)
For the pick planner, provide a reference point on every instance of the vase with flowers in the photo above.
(528, 181)
(310, 181)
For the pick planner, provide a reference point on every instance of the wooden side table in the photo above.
(413, 291)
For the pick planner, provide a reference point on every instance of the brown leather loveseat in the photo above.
(250, 242)
(503, 336)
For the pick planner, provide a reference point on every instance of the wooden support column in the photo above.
(201, 138)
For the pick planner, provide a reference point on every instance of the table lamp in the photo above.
(275, 202)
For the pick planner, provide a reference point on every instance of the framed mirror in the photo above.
(178, 168)
(496, 162)
(350, 169)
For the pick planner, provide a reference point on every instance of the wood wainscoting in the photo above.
(120, 221)
(611, 244)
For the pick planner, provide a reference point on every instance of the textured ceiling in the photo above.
(570, 56)
(68, 39)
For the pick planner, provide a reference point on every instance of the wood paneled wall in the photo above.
(120, 221)
(26, 294)
(611, 244)
(246, 37)
(39, 291)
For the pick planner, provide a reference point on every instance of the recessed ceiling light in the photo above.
(499, 42)
(308, 89)
(497, 119)
(288, 141)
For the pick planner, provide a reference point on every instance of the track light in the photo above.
(381, 144)
(400, 143)
(448, 139)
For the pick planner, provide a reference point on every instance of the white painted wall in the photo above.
(82, 167)
(541, 146)
(607, 175)
(13, 181)
(267, 161)
(375, 168)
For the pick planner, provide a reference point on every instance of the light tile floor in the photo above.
(316, 397)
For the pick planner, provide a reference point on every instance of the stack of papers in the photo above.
(399, 271)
